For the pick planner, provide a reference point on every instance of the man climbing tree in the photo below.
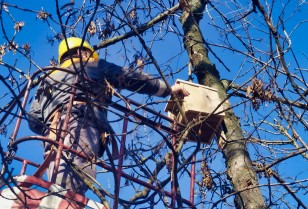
(83, 126)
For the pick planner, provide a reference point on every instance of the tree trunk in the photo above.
(239, 168)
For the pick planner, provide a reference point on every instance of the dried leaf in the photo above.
(248, 90)
(207, 180)
(2, 50)
(42, 15)
(13, 46)
(133, 16)
(169, 162)
(26, 48)
(18, 26)
(92, 28)
(140, 64)
(3, 130)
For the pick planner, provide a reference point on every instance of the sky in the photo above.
(36, 33)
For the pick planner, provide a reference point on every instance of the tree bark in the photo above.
(239, 167)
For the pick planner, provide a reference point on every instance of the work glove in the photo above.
(179, 90)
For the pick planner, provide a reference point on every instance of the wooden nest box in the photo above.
(198, 107)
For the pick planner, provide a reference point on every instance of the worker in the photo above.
(91, 80)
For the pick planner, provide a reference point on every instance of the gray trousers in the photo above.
(82, 135)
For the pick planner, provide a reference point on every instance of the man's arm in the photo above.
(123, 78)
(35, 119)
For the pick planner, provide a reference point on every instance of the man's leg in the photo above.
(83, 136)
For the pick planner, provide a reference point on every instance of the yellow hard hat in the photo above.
(73, 43)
